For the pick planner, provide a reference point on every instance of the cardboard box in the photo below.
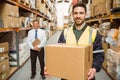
(38, 3)
(115, 48)
(9, 10)
(43, 8)
(8, 13)
(4, 47)
(4, 65)
(92, 10)
(4, 75)
(17, 22)
(96, 2)
(3, 56)
(69, 62)
(8, 21)
(116, 3)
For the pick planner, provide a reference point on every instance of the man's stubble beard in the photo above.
(79, 24)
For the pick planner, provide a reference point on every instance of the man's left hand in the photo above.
(36, 48)
(91, 73)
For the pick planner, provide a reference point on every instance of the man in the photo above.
(81, 33)
(36, 41)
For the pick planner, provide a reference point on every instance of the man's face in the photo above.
(35, 25)
(79, 15)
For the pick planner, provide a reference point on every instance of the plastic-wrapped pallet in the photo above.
(113, 63)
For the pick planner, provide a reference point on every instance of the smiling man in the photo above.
(36, 42)
(80, 33)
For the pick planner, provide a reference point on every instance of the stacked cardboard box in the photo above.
(11, 39)
(116, 3)
(43, 8)
(38, 3)
(69, 62)
(10, 15)
(100, 7)
(96, 2)
(4, 60)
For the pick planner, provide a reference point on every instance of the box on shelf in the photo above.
(96, 2)
(4, 75)
(108, 5)
(4, 47)
(4, 69)
(69, 62)
(7, 9)
(4, 65)
(92, 10)
(116, 3)
(100, 9)
(8, 14)
(17, 22)
(38, 3)
(43, 8)
(3, 56)
(115, 48)
(11, 39)
(8, 21)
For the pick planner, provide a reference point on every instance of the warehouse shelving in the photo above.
(28, 9)
(111, 17)
(97, 19)
(16, 30)
(13, 29)
(3, 31)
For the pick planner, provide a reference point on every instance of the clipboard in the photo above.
(36, 42)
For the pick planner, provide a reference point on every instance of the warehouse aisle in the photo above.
(24, 73)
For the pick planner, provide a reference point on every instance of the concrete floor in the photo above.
(24, 73)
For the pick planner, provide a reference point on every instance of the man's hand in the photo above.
(36, 48)
(91, 73)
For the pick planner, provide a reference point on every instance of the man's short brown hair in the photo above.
(79, 4)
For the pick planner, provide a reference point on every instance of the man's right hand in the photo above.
(36, 48)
